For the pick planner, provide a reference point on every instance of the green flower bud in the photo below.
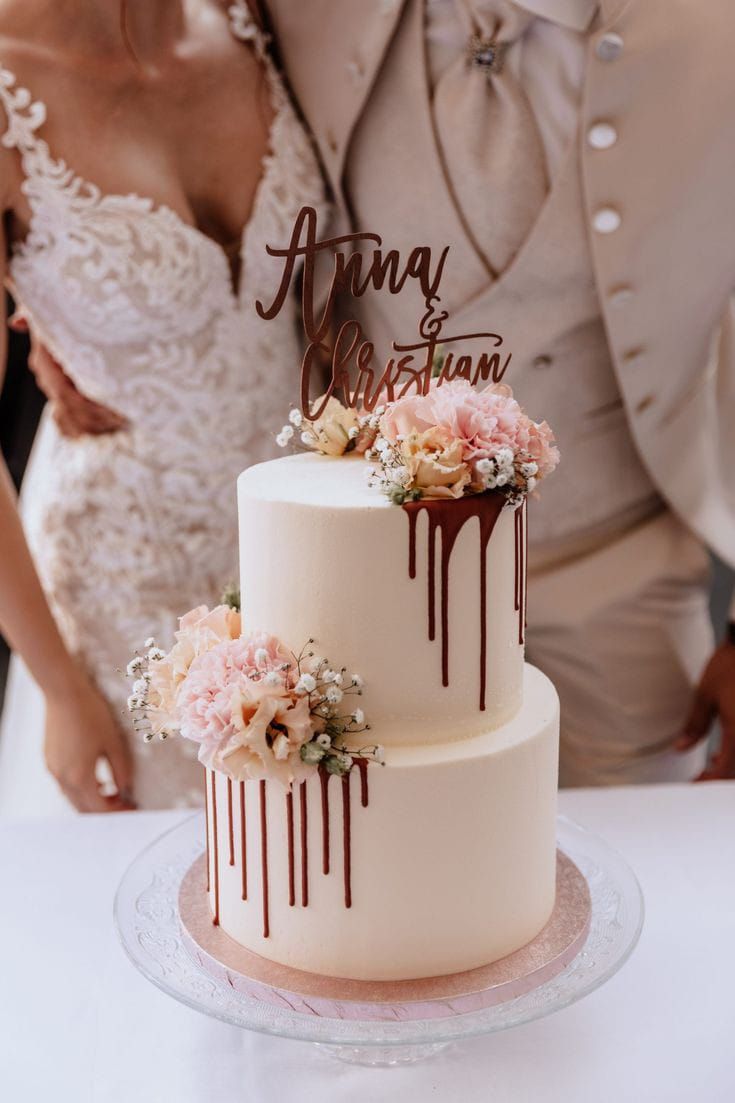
(311, 753)
(338, 763)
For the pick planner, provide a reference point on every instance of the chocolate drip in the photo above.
(289, 829)
(362, 765)
(243, 843)
(520, 570)
(347, 839)
(206, 823)
(264, 858)
(215, 918)
(230, 823)
(517, 565)
(324, 779)
(432, 588)
(525, 569)
(304, 847)
(449, 517)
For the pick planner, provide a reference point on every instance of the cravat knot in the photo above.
(487, 133)
(493, 26)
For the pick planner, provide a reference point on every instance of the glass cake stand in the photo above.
(148, 923)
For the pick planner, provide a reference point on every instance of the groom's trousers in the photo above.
(624, 633)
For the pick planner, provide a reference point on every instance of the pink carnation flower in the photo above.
(482, 421)
(261, 654)
(247, 724)
(204, 698)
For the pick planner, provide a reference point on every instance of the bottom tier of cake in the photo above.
(440, 861)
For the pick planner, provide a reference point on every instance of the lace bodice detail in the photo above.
(122, 289)
(139, 307)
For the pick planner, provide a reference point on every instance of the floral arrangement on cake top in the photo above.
(457, 440)
(256, 709)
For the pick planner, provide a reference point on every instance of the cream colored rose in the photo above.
(435, 463)
(334, 432)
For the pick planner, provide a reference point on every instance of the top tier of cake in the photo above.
(322, 555)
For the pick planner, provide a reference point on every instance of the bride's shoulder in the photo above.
(19, 21)
(24, 47)
(25, 60)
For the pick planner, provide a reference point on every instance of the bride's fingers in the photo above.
(89, 798)
(75, 414)
(121, 764)
(73, 422)
(74, 795)
(18, 322)
(66, 425)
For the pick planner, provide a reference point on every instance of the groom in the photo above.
(578, 157)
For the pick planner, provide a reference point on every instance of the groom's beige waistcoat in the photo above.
(661, 74)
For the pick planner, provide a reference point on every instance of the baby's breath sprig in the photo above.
(390, 474)
(139, 671)
(326, 688)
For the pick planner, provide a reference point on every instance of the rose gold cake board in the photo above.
(430, 998)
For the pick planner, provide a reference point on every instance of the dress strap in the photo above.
(246, 28)
(23, 114)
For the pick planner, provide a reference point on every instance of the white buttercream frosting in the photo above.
(322, 555)
(451, 864)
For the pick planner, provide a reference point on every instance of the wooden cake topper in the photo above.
(354, 379)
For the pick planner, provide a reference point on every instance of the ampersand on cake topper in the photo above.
(414, 367)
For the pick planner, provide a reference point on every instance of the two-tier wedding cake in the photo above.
(398, 823)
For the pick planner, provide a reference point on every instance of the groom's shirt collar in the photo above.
(577, 15)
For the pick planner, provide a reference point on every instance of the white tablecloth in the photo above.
(77, 1022)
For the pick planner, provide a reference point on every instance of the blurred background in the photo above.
(21, 403)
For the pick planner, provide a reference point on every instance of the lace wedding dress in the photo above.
(131, 529)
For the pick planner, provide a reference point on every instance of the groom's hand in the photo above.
(74, 414)
(714, 698)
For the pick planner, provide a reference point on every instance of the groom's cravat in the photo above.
(487, 133)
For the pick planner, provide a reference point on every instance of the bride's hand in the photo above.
(74, 413)
(80, 730)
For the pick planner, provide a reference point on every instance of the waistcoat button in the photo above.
(621, 294)
(602, 136)
(609, 47)
(606, 220)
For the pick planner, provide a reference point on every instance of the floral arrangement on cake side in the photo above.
(453, 441)
(256, 709)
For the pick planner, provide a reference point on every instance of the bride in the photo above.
(149, 154)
